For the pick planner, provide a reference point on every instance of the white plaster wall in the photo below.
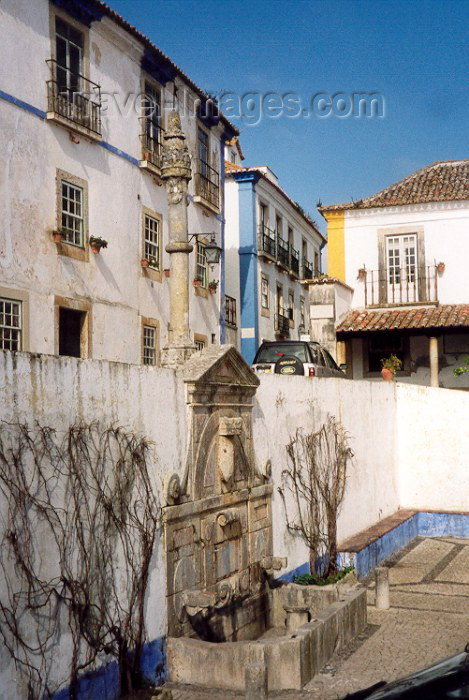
(445, 226)
(33, 149)
(60, 391)
(368, 412)
(432, 450)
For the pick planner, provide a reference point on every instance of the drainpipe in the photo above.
(434, 361)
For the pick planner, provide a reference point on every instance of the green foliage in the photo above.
(312, 580)
(98, 241)
(462, 370)
(392, 362)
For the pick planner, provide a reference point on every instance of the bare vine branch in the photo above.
(77, 535)
(316, 478)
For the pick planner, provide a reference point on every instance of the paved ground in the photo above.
(428, 620)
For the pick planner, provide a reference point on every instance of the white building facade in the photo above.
(271, 248)
(401, 256)
(83, 104)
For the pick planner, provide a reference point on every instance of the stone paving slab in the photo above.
(458, 569)
(413, 567)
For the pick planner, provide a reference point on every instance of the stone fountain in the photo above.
(225, 611)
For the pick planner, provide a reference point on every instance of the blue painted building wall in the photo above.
(248, 264)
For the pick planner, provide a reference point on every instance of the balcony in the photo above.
(308, 272)
(294, 262)
(283, 257)
(267, 241)
(282, 323)
(207, 186)
(73, 101)
(400, 286)
(152, 143)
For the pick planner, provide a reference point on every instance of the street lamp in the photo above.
(211, 248)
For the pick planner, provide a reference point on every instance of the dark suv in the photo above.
(300, 357)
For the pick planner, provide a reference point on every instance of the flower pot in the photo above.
(212, 290)
(440, 267)
(57, 236)
(167, 272)
(197, 283)
(147, 155)
(95, 248)
(144, 263)
(387, 374)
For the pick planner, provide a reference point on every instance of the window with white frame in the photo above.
(149, 345)
(265, 301)
(201, 265)
(10, 324)
(72, 219)
(302, 313)
(151, 241)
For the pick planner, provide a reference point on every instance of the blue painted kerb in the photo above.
(420, 524)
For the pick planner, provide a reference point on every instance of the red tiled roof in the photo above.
(440, 182)
(445, 316)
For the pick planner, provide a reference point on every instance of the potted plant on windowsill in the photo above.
(149, 262)
(440, 267)
(96, 243)
(213, 286)
(57, 234)
(198, 281)
(390, 365)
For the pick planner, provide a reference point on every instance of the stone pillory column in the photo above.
(176, 171)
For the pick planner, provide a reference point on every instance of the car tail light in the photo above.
(312, 372)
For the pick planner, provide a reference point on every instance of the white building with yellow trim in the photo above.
(398, 261)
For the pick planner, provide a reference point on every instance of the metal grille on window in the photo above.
(264, 293)
(149, 345)
(72, 214)
(201, 266)
(152, 241)
(10, 325)
(230, 311)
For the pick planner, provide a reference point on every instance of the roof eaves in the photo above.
(152, 47)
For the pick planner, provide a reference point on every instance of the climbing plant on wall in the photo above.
(78, 524)
(315, 477)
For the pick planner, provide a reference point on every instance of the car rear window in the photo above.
(272, 353)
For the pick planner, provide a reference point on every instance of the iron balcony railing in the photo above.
(308, 272)
(267, 240)
(207, 183)
(152, 144)
(282, 322)
(397, 286)
(283, 257)
(74, 97)
(294, 261)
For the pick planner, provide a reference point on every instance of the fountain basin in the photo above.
(292, 659)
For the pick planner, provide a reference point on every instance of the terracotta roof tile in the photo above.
(440, 182)
(445, 316)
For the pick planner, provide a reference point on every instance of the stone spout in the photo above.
(273, 563)
(228, 518)
(196, 602)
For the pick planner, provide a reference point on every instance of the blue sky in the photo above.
(413, 52)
